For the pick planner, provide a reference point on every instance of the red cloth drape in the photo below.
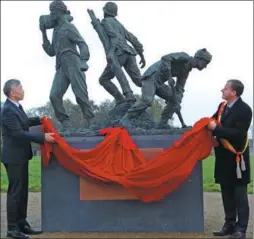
(117, 159)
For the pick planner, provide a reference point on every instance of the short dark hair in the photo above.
(9, 85)
(237, 86)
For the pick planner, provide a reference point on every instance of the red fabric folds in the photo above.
(118, 160)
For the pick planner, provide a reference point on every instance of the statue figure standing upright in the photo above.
(70, 65)
(114, 37)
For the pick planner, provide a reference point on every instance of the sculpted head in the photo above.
(58, 9)
(202, 58)
(110, 9)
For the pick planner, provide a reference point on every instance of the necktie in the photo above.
(21, 108)
(226, 110)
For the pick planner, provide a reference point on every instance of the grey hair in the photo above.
(9, 85)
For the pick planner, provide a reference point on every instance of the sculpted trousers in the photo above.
(115, 70)
(69, 73)
(150, 88)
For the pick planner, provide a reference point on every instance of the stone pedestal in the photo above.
(74, 204)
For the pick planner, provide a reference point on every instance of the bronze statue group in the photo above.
(71, 67)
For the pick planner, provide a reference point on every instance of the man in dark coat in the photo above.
(16, 153)
(233, 177)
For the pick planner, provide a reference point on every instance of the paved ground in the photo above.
(214, 217)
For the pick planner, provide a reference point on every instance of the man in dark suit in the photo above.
(233, 177)
(16, 153)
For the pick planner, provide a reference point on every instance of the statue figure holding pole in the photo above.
(114, 37)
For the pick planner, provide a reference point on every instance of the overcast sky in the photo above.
(224, 28)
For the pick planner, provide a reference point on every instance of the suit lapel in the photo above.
(224, 115)
(232, 109)
(21, 113)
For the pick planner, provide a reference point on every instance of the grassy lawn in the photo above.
(208, 172)
(35, 176)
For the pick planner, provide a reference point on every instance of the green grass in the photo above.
(208, 179)
(35, 176)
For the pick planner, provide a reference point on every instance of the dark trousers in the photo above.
(236, 205)
(17, 195)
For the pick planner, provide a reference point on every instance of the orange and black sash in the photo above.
(227, 145)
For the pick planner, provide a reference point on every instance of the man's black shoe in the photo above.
(16, 234)
(226, 230)
(238, 235)
(28, 230)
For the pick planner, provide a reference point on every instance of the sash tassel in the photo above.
(239, 155)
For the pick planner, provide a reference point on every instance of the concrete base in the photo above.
(65, 209)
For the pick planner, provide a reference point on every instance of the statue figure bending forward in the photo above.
(177, 65)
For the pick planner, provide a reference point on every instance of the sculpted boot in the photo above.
(130, 97)
(163, 124)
